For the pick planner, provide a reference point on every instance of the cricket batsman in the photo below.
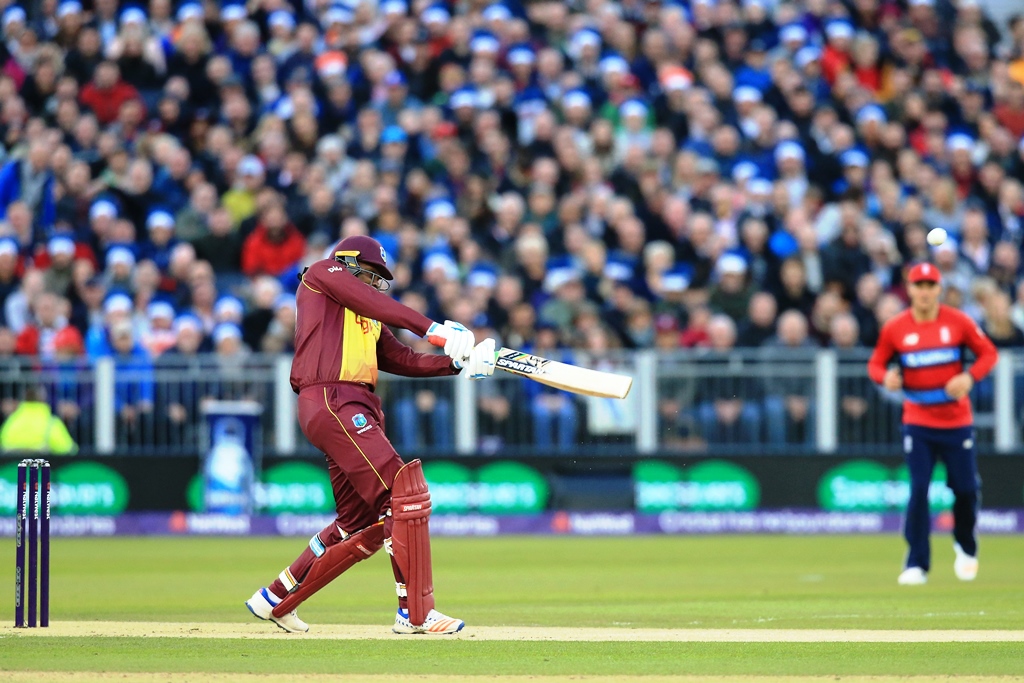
(341, 342)
(927, 343)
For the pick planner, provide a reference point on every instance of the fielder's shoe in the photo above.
(435, 623)
(965, 566)
(261, 604)
(912, 576)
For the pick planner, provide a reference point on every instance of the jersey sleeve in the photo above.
(349, 291)
(883, 353)
(399, 359)
(985, 351)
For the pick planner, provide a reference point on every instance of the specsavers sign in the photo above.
(79, 488)
(709, 485)
(868, 486)
(294, 487)
(497, 488)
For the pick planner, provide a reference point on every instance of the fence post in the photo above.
(465, 416)
(1004, 407)
(103, 399)
(826, 374)
(647, 401)
(284, 407)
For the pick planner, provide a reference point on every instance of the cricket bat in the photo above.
(562, 375)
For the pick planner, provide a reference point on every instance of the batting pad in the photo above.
(332, 563)
(410, 538)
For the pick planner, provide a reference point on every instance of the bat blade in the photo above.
(563, 376)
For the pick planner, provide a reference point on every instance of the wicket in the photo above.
(33, 526)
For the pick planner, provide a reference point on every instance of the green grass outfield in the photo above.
(723, 582)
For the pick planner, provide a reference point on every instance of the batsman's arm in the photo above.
(331, 279)
(398, 359)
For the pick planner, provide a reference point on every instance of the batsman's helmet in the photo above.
(363, 249)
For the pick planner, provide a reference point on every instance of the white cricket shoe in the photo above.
(912, 576)
(435, 623)
(261, 604)
(965, 566)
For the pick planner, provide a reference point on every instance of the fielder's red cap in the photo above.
(924, 272)
(367, 250)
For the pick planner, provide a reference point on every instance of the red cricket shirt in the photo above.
(929, 355)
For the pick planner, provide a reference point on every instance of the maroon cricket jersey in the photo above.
(340, 333)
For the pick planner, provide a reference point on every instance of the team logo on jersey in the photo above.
(911, 339)
(334, 269)
(359, 420)
(383, 256)
(944, 336)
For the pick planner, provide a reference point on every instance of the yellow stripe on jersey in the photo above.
(359, 349)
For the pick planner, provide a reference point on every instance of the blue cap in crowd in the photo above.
(854, 157)
(496, 12)
(228, 306)
(160, 219)
(160, 310)
(439, 208)
(188, 321)
(226, 331)
(393, 134)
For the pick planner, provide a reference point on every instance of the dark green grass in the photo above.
(451, 657)
(663, 582)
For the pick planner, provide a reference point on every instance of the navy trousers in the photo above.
(923, 448)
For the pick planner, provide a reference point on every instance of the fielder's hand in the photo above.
(480, 363)
(959, 386)
(893, 380)
(457, 341)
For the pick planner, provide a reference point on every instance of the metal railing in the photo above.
(744, 401)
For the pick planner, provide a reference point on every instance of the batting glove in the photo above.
(457, 341)
(480, 363)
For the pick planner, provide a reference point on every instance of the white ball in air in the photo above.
(936, 237)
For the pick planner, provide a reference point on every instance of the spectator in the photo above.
(863, 416)
(178, 403)
(58, 276)
(31, 182)
(274, 245)
(555, 415)
(789, 406)
(48, 319)
(732, 294)
(9, 276)
(759, 325)
(160, 336)
(999, 325)
(727, 403)
(280, 335)
(424, 415)
(133, 388)
(794, 293)
(70, 393)
(106, 93)
(33, 429)
(844, 260)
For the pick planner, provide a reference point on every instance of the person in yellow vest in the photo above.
(32, 428)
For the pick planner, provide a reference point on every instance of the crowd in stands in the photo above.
(583, 175)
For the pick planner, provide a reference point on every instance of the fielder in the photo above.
(341, 342)
(927, 341)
